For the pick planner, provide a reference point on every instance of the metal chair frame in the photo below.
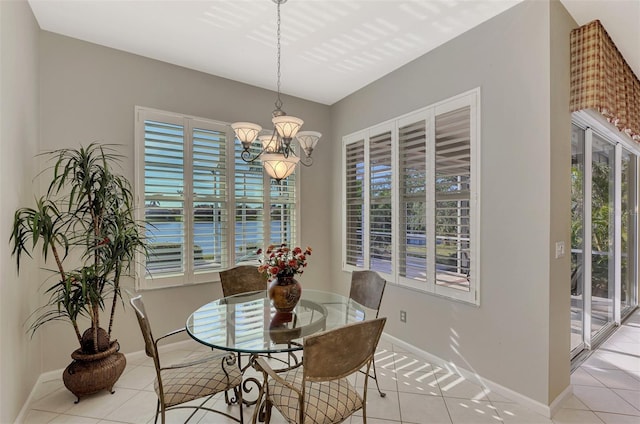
(151, 349)
(367, 289)
(328, 356)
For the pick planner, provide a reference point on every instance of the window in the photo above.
(205, 208)
(411, 199)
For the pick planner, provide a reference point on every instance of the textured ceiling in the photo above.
(330, 48)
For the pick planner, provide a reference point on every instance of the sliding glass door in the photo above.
(577, 239)
(628, 232)
(604, 234)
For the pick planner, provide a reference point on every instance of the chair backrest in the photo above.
(342, 351)
(242, 279)
(149, 342)
(367, 288)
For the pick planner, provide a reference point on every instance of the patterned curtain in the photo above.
(602, 80)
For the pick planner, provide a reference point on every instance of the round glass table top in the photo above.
(248, 323)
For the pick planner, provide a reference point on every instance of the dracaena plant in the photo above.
(85, 220)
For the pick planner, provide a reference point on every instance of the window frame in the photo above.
(143, 281)
(429, 113)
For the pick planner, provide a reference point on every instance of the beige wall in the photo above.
(510, 338)
(560, 193)
(89, 93)
(19, 355)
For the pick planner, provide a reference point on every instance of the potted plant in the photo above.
(85, 221)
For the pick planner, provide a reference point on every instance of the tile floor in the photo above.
(606, 391)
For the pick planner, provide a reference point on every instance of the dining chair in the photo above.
(318, 390)
(367, 288)
(201, 376)
(242, 279)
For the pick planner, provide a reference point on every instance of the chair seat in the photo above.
(326, 402)
(202, 376)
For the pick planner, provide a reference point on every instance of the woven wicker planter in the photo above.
(89, 374)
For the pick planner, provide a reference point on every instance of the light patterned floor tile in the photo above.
(59, 401)
(138, 409)
(576, 416)
(573, 403)
(602, 399)
(456, 386)
(606, 383)
(359, 420)
(631, 396)
(416, 408)
(582, 377)
(512, 413)
(617, 418)
(138, 378)
(35, 416)
(73, 419)
(384, 408)
(420, 382)
(615, 379)
(466, 411)
(101, 404)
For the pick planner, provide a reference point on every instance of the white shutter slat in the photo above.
(412, 143)
(164, 197)
(380, 192)
(452, 198)
(209, 200)
(282, 200)
(354, 239)
(249, 205)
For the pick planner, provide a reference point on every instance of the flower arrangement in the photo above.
(282, 261)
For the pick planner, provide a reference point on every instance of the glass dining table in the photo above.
(247, 323)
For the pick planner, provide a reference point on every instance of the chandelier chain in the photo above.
(278, 101)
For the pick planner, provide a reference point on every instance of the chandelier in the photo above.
(277, 154)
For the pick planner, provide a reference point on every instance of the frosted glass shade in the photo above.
(246, 132)
(277, 166)
(308, 140)
(269, 143)
(287, 126)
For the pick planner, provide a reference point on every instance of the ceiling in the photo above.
(330, 48)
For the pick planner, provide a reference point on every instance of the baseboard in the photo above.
(527, 402)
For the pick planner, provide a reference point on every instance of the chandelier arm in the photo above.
(306, 161)
(246, 155)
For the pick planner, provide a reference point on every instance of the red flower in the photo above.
(282, 260)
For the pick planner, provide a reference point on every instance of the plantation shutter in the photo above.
(209, 199)
(412, 144)
(452, 198)
(249, 209)
(354, 193)
(282, 200)
(380, 216)
(164, 197)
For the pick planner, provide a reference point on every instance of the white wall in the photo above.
(507, 339)
(20, 362)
